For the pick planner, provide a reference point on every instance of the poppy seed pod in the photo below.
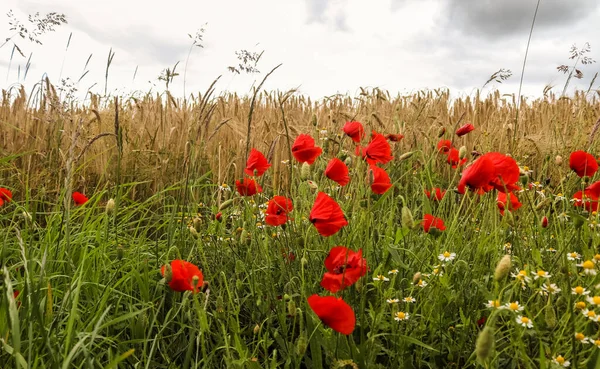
(406, 155)
(305, 171)
(301, 345)
(110, 206)
(407, 218)
(550, 316)
(484, 345)
(256, 329)
(225, 204)
(462, 152)
(502, 268)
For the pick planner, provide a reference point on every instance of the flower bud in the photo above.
(301, 345)
(110, 206)
(544, 222)
(256, 329)
(407, 218)
(312, 185)
(193, 231)
(441, 131)
(558, 160)
(218, 216)
(502, 268)
(484, 346)
(197, 222)
(462, 152)
(348, 161)
(225, 204)
(406, 155)
(305, 171)
(291, 308)
(416, 277)
(550, 316)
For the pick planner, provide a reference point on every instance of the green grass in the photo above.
(92, 295)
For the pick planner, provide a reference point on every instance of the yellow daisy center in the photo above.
(446, 254)
(559, 359)
(579, 290)
(580, 305)
(541, 273)
(513, 306)
(525, 320)
(591, 314)
(400, 315)
(579, 336)
(588, 264)
(496, 303)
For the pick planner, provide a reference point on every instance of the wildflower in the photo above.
(597, 342)
(79, 198)
(277, 211)
(589, 267)
(435, 194)
(380, 181)
(464, 129)
(257, 164)
(354, 130)
(437, 271)
(393, 271)
(337, 171)
(594, 300)
(224, 188)
(521, 275)
(580, 337)
(510, 199)
(394, 137)
(381, 277)
(560, 361)
(583, 164)
(596, 258)
(590, 314)
(552, 250)
(401, 316)
(551, 288)
(326, 215)
(409, 299)
(334, 313)
(580, 305)
(183, 276)
(421, 283)
(248, 187)
(491, 170)
(573, 256)
(446, 256)
(541, 274)
(392, 301)
(588, 198)
(378, 150)
(579, 291)
(453, 158)
(444, 146)
(513, 306)
(429, 221)
(304, 149)
(524, 321)
(493, 304)
(344, 268)
(5, 195)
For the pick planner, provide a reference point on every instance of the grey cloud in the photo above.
(316, 10)
(500, 19)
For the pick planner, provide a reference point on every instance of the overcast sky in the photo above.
(325, 46)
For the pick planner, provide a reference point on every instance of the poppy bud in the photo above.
(312, 185)
(301, 345)
(348, 161)
(197, 222)
(407, 218)
(194, 232)
(244, 237)
(416, 277)
(441, 131)
(558, 160)
(168, 273)
(544, 222)
(304, 261)
(502, 268)
(543, 204)
(305, 171)
(218, 216)
(120, 252)
(27, 217)
(225, 204)
(462, 152)
(524, 179)
(406, 155)
(484, 346)
(550, 316)
(256, 329)
(110, 206)
(291, 308)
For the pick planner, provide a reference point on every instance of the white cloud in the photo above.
(325, 46)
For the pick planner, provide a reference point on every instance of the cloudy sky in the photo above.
(326, 46)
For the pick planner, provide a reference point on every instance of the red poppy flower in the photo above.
(304, 149)
(381, 180)
(334, 313)
(354, 130)
(256, 163)
(79, 198)
(444, 146)
(429, 221)
(378, 150)
(394, 137)
(544, 222)
(481, 321)
(586, 198)
(513, 202)
(248, 187)
(344, 268)
(182, 276)
(219, 216)
(337, 171)
(326, 215)
(5, 195)
(584, 164)
(436, 193)
(454, 158)
(464, 129)
(492, 170)
(277, 211)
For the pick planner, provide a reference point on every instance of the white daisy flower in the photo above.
(524, 321)
(381, 277)
(401, 316)
(561, 361)
(447, 256)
